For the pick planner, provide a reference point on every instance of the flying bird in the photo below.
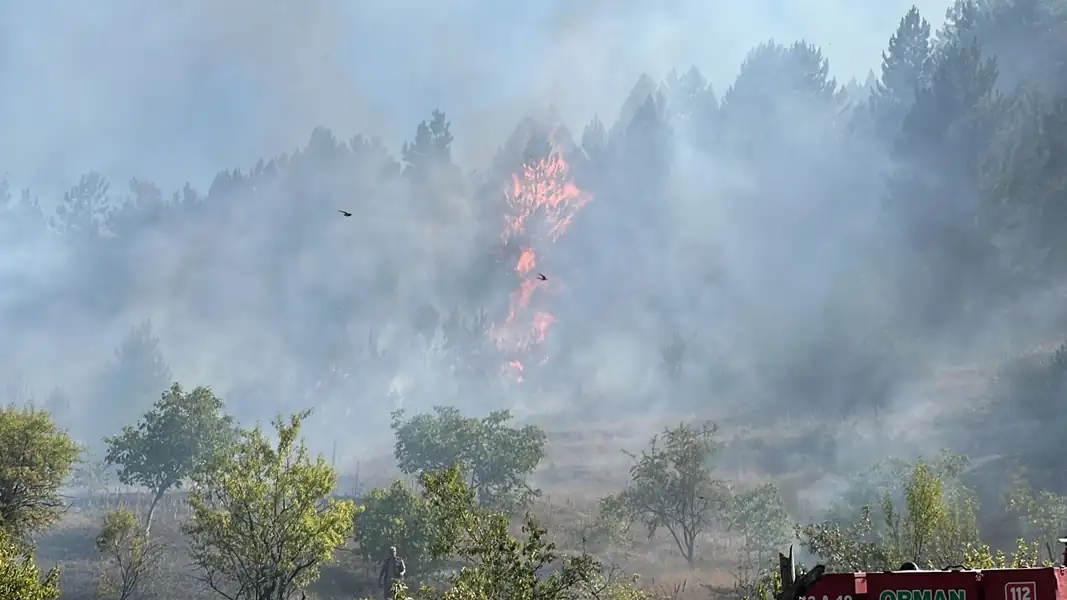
(542, 277)
(344, 212)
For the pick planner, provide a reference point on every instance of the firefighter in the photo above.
(393, 569)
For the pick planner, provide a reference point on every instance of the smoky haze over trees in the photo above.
(786, 240)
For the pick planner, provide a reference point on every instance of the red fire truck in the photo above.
(1048, 583)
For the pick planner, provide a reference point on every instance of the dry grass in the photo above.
(584, 462)
(570, 498)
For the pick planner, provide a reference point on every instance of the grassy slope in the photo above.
(584, 462)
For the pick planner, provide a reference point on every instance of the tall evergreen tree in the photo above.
(85, 207)
(436, 182)
(935, 194)
(595, 141)
(690, 99)
(431, 151)
(782, 101)
(129, 384)
(904, 71)
(643, 88)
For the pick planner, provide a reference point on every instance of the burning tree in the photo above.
(542, 201)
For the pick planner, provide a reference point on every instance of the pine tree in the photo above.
(904, 71)
(85, 207)
(782, 102)
(935, 195)
(595, 140)
(645, 151)
(644, 88)
(437, 183)
(431, 151)
(691, 101)
(130, 383)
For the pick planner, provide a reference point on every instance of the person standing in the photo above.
(393, 569)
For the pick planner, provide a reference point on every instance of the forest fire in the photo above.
(543, 201)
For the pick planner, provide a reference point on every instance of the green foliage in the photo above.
(36, 457)
(769, 585)
(20, 578)
(610, 527)
(131, 556)
(179, 437)
(130, 380)
(396, 516)
(672, 488)
(760, 518)
(431, 149)
(500, 566)
(84, 209)
(1025, 402)
(1041, 514)
(92, 473)
(904, 67)
(263, 520)
(885, 477)
(933, 527)
(493, 457)
(1026, 555)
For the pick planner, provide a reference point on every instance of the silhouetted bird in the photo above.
(542, 277)
(344, 212)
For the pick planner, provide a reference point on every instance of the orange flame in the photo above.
(544, 190)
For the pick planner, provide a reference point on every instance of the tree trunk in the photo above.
(152, 512)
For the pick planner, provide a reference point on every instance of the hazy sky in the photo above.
(176, 91)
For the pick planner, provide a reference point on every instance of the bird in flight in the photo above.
(344, 212)
(542, 277)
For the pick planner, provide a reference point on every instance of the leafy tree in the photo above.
(20, 578)
(934, 527)
(501, 566)
(131, 556)
(672, 487)
(886, 477)
(609, 528)
(179, 437)
(36, 457)
(759, 517)
(263, 519)
(1026, 555)
(493, 457)
(1041, 514)
(395, 516)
